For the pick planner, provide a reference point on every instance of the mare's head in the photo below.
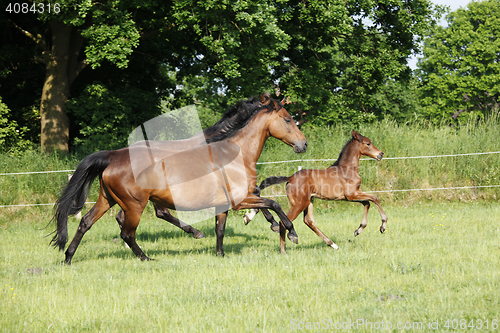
(366, 147)
(282, 126)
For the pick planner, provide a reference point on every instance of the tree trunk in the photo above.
(62, 69)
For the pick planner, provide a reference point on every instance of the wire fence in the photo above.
(296, 161)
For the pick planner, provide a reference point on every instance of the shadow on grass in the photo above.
(203, 245)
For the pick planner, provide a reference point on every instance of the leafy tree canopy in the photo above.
(460, 69)
(115, 60)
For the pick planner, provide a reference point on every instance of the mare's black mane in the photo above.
(235, 119)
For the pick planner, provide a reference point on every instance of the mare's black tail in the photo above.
(75, 193)
(273, 181)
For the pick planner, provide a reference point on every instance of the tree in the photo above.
(59, 31)
(460, 69)
(334, 59)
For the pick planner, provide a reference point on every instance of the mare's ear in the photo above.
(275, 104)
(262, 98)
(356, 136)
(285, 101)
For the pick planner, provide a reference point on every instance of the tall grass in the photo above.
(396, 140)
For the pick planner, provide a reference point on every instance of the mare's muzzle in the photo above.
(380, 156)
(300, 147)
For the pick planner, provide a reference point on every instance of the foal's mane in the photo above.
(235, 118)
(340, 155)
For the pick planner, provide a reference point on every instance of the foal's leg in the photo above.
(309, 221)
(362, 197)
(102, 205)
(269, 217)
(253, 201)
(364, 221)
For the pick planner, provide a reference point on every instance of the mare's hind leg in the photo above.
(132, 216)
(102, 205)
(309, 221)
(164, 214)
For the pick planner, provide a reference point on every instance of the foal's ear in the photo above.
(356, 136)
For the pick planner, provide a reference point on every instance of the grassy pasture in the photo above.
(437, 261)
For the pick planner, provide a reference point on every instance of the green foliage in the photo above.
(338, 61)
(111, 38)
(460, 69)
(105, 118)
(11, 135)
(343, 55)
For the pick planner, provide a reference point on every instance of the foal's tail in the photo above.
(75, 193)
(273, 181)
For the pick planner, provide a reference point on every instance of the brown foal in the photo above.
(340, 181)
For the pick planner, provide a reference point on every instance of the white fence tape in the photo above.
(292, 161)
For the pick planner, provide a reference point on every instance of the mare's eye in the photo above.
(368, 144)
(288, 120)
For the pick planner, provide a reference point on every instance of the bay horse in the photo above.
(241, 133)
(340, 181)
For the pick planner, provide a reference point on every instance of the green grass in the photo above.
(437, 261)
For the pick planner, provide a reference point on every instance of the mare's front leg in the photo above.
(364, 221)
(220, 227)
(253, 201)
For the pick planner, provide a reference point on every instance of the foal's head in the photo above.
(367, 148)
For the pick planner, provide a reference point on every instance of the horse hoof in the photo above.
(382, 230)
(356, 232)
(275, 228)
(294, 239)
(335, 247)
(246, 219)
(199, 235)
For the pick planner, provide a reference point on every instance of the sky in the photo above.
(454, 5)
